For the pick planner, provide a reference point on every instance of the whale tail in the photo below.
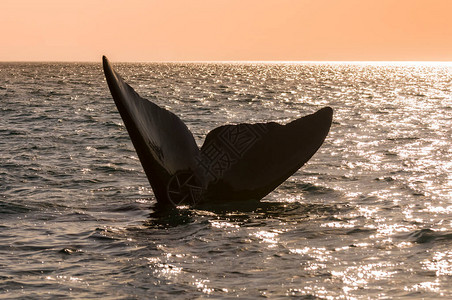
(236, 162)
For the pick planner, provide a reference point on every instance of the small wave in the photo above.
(360, 231)
(319, 209)
(329, 178)
(423, 236)
(31, 248)
(385, 178)
(390, 153)
(76, 216)
(112, 124)
(10, 132)
(313, 189)
(128, 207)
(408, 138)
(111, 169)
(56, 93)
(12, 208)
(297, 211)
(37, 92)
(103, 234)
(70, 251)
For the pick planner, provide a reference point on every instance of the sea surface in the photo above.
(369, 216)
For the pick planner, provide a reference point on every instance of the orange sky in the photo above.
(206, 30)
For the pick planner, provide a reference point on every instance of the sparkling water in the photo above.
(369, 216)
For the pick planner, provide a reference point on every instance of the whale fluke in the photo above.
(236, 162)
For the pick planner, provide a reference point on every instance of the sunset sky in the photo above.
(226, 30)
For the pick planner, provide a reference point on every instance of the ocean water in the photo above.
(369, 216)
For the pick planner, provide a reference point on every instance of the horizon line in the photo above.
(243, 61)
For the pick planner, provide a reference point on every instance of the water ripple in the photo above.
(368, 216)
